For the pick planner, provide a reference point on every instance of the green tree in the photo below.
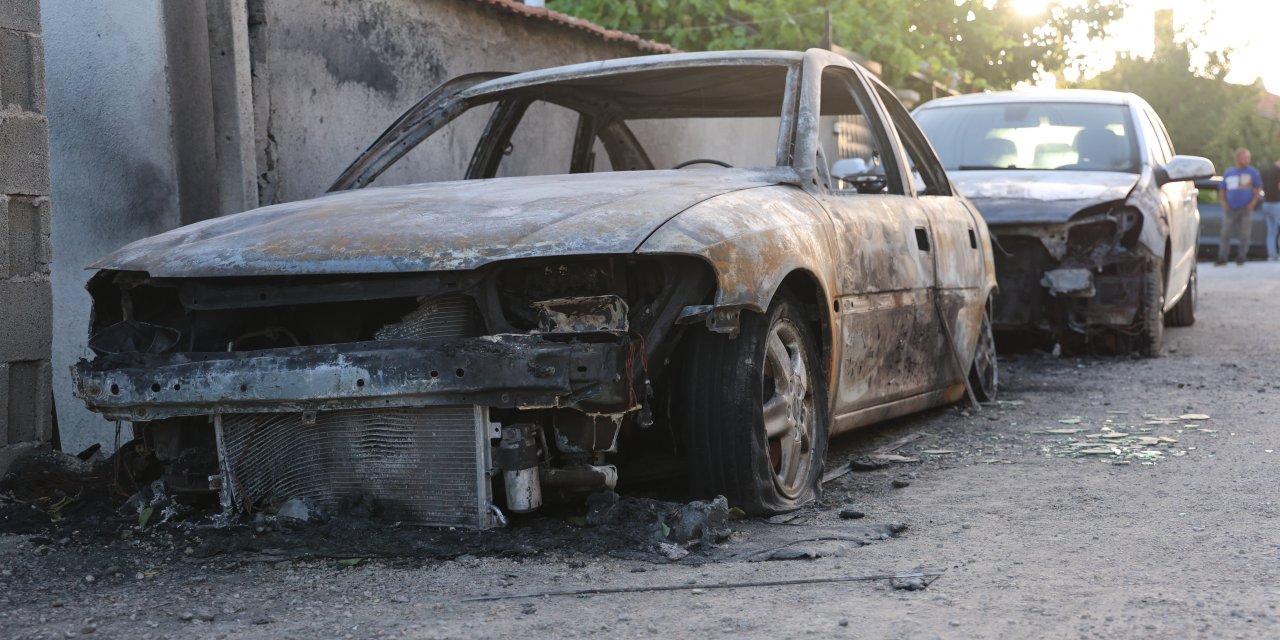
(1205, 114)
(973, 44)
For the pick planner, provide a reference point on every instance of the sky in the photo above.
(1250, 27)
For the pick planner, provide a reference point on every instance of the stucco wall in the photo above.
(112, 163)
(340, 72)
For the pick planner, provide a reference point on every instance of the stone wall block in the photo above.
(8, 432)
(20, 15)
(28, 222)
(26, 316)
(5, 239)
(21, 71)
(29, 396)
(24, 162)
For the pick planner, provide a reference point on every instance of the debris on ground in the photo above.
(822, 542)
(51, 491)
(919, 580)
(912, 581)
(852, 512)
(1147, 442)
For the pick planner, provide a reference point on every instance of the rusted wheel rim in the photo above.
(789, 419)
(984, 359)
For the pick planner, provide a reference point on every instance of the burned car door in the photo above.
(886, 269)
(961, 255)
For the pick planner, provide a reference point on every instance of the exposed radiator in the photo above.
(418, 465)
(447, 316)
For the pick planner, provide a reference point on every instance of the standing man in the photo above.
(1240, 190)
(1271, 206)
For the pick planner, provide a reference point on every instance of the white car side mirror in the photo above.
(849, 167)
(1183, 168)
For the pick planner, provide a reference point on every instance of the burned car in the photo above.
(1095, 219)
(447, 351)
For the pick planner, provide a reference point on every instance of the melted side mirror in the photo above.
(863, 178)
(1184, 168)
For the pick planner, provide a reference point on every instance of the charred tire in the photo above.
(984, 373)
(1151, 313)
(754, 410)
(1183, 314)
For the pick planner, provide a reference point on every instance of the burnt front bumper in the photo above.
(515, 371)
(1045, 290)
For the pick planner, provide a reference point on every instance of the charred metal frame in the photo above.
(514, 371)
(589, 364)
(1090, 284)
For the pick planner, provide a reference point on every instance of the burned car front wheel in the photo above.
(1183, 314)
(755, 412)
(1151, 340)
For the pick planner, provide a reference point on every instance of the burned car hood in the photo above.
(1035, 197)
(437, 226)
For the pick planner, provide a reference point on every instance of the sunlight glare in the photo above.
(1030, 7)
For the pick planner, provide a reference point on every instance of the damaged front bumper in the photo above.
(514, 371)
(1081, 276)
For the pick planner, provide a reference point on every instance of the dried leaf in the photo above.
(1194, 416)
(144, 516)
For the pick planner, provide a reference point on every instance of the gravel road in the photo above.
(1080, 506)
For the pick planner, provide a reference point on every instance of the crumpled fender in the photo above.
(753, 239)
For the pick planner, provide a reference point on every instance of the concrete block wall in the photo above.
(25, 255)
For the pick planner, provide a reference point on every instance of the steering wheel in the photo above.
(703, 161)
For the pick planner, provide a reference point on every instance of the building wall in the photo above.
(25, 307)
(338, 73)
(114, 172)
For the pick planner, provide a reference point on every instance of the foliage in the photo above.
(973, 44)
(1205, 114)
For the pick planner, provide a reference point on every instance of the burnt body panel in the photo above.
(544, 315)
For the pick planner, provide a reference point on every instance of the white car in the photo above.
(1093, 215)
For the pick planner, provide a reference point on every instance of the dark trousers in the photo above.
(1237, 224)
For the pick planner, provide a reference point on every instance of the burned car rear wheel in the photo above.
(984, 374)
(755, 412)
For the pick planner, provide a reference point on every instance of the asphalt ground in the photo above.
(1081, 505)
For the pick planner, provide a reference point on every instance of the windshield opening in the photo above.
(1032, 135)
(648, 118)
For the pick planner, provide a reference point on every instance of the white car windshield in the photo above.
(1032, 135)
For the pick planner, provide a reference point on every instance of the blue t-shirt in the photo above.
(1239, 185)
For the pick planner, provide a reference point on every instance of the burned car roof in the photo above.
(1083, 96)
